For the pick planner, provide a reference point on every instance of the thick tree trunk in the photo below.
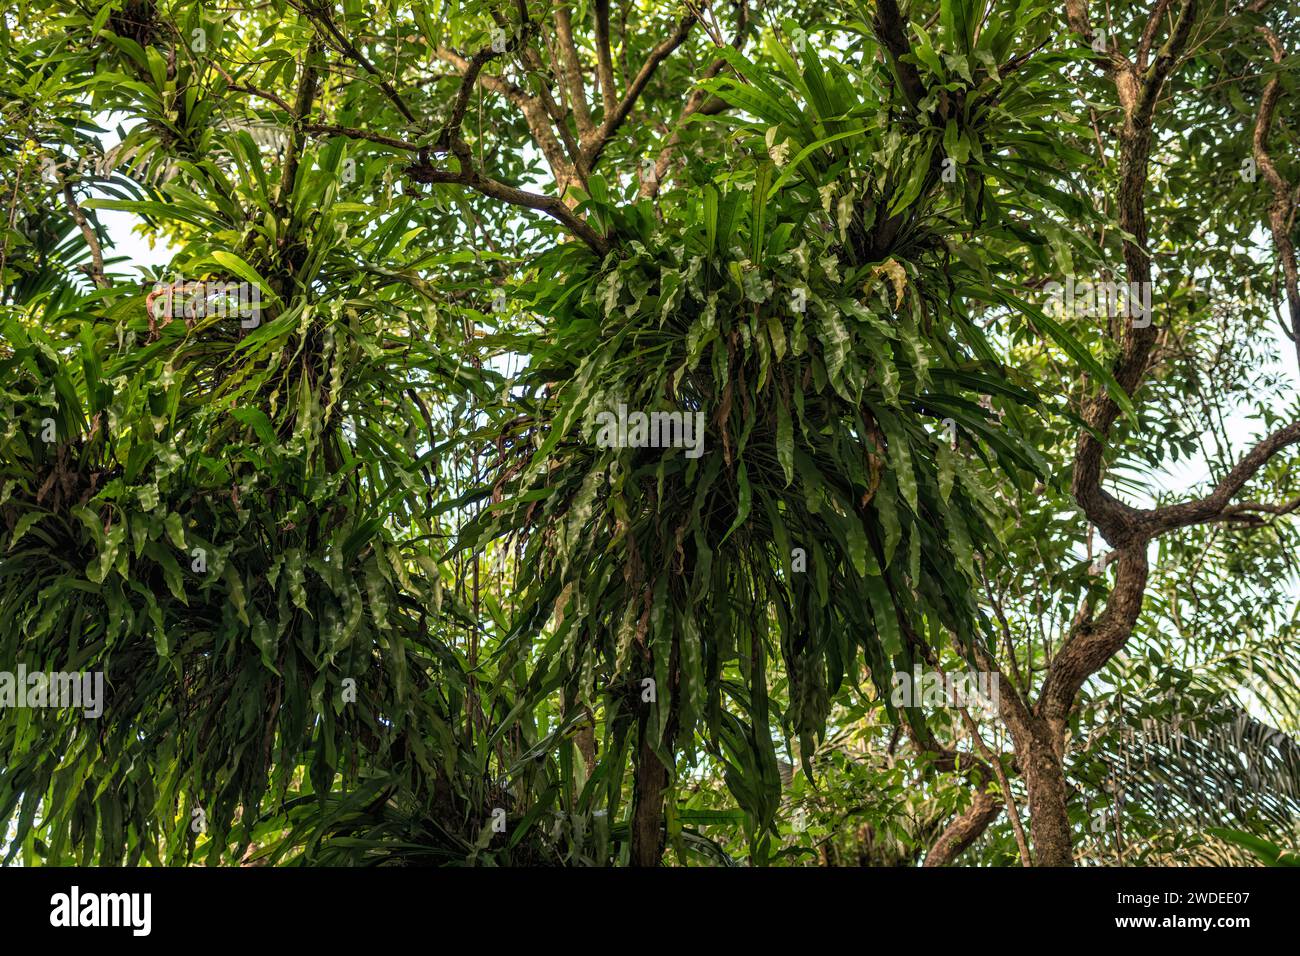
(650, 781)
(1049, 817)
(650, 778)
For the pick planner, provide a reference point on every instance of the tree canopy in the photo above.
(559, 432)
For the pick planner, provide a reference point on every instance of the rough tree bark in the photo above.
(650, 783)
(1039, 730)
(650, 777)
(964, 829)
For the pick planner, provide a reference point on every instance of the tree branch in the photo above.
(322, 17)
(965, 829)
(535, 115)
(1212, 506)
(252, 90)
(604, 58)
(468, 77)
(698, 102)
(1117, 65)
(1113, 518)
(96, 270)
(1281, 206)
(891, 30)
(1149, 33)
(1093, 641)
(1153, 79)
(572, 70)
(423, 172)
(329, 129)
(612, 121)
(307, 87)
(1021, 843)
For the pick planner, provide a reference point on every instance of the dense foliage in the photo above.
(371, 578)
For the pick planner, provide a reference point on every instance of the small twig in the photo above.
(96, 254)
